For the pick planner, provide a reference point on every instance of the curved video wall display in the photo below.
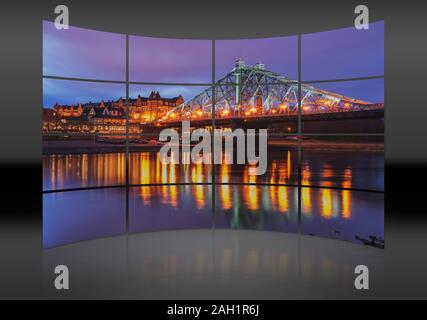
(276, 134)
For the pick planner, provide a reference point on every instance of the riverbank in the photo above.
(91, 146)
(329, 144)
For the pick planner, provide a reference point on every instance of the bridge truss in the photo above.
(252, 91)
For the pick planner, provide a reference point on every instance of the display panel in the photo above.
(83, 53)
(343, 53)
(82, 170)
(257, 207)
(170, 207)
(281, 167)
(343, 107)
(83, 215)
(304, 155)
(343, 162)
(83, 128)
(170, 60)
(348, 215)
(259, 121)
(173, 112)
(342, 180)
(277, 55)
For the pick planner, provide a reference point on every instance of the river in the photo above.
(234, 203)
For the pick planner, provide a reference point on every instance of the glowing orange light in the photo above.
(326, 200)
(283, 199)
(225, 113)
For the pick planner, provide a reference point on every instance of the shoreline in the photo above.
(52, 147)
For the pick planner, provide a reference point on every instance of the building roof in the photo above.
(154, 95)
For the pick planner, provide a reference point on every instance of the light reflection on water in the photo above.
(83, 170)
(330, 169)
(236, 206)
(341, 214)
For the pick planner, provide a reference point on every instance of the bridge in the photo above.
(256, 96)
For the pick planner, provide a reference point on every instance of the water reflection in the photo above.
(271, 209)
(82, 215)
(170, 207)
(341, 214)
(331, 169)
(347, 169)
(83, 170)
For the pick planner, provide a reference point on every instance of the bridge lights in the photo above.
(197, 114)
(283, 107)
(225, 113)
(328, 103)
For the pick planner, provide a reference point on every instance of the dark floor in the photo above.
(212, 264)
(190, 264)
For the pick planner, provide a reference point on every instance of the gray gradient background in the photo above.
(400, 271)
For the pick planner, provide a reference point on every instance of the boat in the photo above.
(373, 241)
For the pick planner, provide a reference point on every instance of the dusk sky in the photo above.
(371, 90)
(278, 54)
(343, 53)
(74, 92)
(187, 92)
(84, 53)
(170, 60)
